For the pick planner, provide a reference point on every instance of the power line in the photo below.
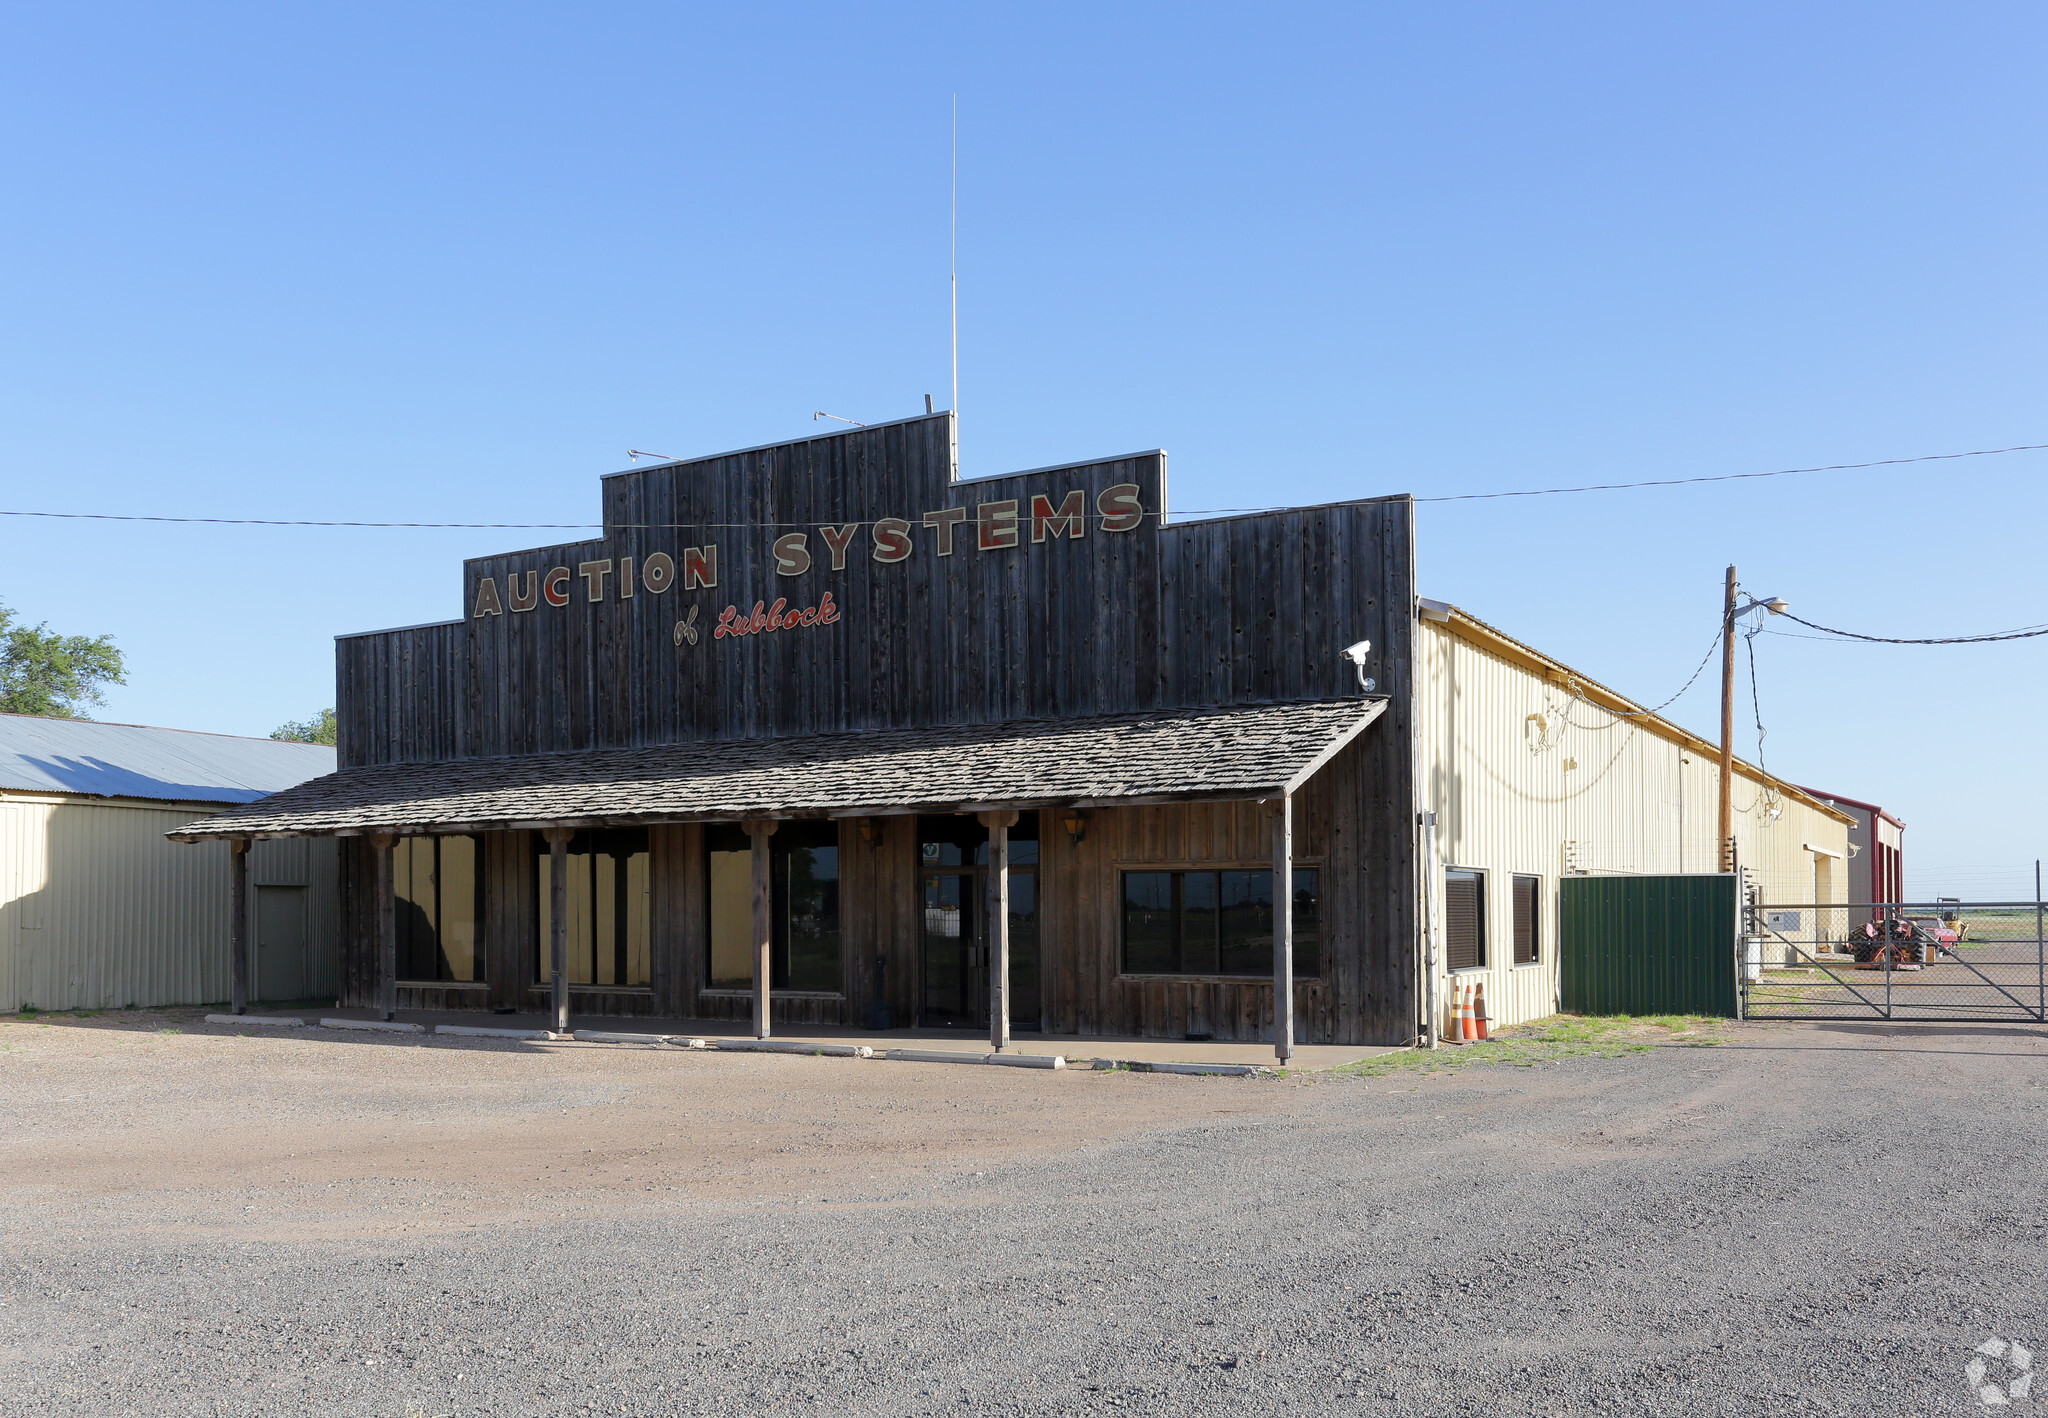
(1756, 702)
(1738, 477)
(1620, 714)
(1704, 661)
(2023, 634)
(281, 522)
(1185, 512)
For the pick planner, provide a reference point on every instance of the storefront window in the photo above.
(607, 910)
(438, 901)
(803, 860)
(1215, 923)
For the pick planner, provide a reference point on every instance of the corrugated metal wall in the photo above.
(99, 911)
(1528, 778)
(1648, 944)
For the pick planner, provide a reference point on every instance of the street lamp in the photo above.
(1730, 613)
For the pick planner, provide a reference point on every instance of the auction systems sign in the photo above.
(993, 527)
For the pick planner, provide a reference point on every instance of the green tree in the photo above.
(54, 675)
(318, 729)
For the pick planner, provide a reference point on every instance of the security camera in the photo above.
(1356, 655)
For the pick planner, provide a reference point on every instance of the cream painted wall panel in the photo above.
(99, 911)
(22, 878)
(1527, 778)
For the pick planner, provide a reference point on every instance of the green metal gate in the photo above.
(1648, 944)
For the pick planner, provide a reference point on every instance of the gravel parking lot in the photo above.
(1799, 1219)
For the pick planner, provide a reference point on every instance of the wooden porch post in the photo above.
(238, 923)
(760, 830)
(387, 927)
(999, 824)
(557, 839)
(1283, 929)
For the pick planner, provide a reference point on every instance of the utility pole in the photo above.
(1726, 828)
(1730, 613)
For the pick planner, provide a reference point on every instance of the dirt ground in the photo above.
(220, 1221)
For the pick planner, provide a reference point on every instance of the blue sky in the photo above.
(448, 263)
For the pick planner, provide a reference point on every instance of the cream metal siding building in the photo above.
(1536, 772)
(98, 910)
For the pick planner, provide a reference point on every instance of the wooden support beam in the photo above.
(1283, 929)
(999, 825)
(386, 909)
(238, 923)
(557, 839)
(760, 829)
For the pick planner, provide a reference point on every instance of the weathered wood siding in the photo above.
(1362, 993)
(1235, 610)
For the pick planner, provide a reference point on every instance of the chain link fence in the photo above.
(1982, 961)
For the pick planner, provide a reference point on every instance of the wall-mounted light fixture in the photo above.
(870, 831)
(1076, 823)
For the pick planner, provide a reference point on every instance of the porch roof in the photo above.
(1181, 755)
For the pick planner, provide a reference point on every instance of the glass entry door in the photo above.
(953, 910)
(955, 951)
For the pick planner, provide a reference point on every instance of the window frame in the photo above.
(729, 838)
(590, 840)
(1477, 875)
(1515, 881)
(1123, 869)
(479, 975)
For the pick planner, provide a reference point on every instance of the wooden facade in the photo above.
(1134, 614)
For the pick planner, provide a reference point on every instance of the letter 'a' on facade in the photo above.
(837, 771)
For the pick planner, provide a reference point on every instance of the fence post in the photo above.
(1890, 936)
(1745, 926)
(2040, 959)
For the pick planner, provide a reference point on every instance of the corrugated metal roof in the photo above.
(1242, 752)
(40, 755)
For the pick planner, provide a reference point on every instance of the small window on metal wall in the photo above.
(1464, 919)
(1528, 912)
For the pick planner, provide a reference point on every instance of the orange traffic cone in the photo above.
(1451, 1015)
(1465, 1030)
(1479, 1008)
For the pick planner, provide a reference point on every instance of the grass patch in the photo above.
(1562, 1036)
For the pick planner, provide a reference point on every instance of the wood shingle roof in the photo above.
(1174, 755)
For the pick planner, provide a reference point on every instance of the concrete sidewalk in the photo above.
(1074, 1048)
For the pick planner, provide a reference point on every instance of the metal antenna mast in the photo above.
(953, 262)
